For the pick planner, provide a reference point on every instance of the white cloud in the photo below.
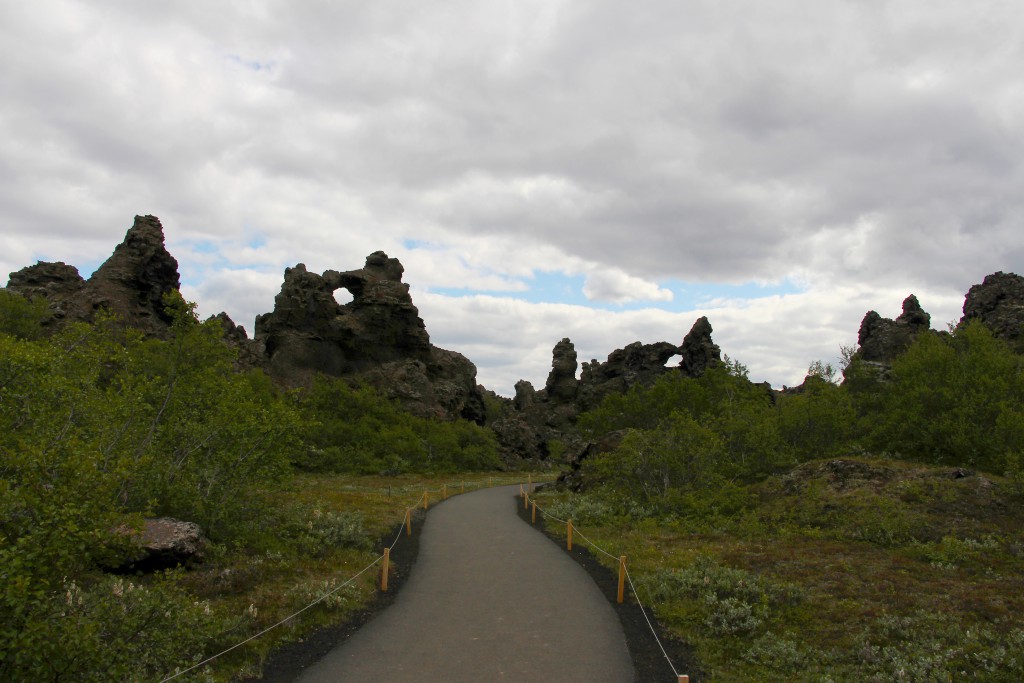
(865, 150)
(618, 287)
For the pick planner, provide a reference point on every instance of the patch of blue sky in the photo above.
(413, 245)
(216, 260)
(558, 287)
(250, 64)
(690, 295)
(87, 268)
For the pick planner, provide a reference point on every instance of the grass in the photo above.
(315, 534)
(852, 569)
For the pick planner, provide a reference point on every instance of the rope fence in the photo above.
(624, 576)
(383, 559)
(406, 525)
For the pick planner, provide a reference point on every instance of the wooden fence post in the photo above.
(463, 488)
(408, 522)
(622, 578)
(384, 570)
(684, 679)
(568, 538)
(444, 491)
(533, 519)
(426, 497)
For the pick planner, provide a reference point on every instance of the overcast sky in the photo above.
(602, 170)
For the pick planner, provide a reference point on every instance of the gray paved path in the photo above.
(489, 599)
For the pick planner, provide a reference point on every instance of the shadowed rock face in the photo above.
(698, 350)
(540, 417)
(999, 303)
(562, 384)
(131, 283)
(378, 337)
(881, 340)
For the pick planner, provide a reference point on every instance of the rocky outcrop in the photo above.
(698, 350)
(130, 284)
(880, 340)
(58, 283)
(251, 352)
(550, 414)
(635, 364)
(378, 337)
(999, 303)
(562, 385)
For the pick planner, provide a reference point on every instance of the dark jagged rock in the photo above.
(562, 385)
(378, 337)
(526, 395)
(635, 364)
(698, 350)
(310, 331)
(550, 414)
(134, 280)
(131, 283)
(881, 340)
(58, 283)
(250, 351)
(998, 302)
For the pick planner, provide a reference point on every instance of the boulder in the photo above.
(999, 303)
(165, 543)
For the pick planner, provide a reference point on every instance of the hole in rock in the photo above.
(673, 361)
(343, 296)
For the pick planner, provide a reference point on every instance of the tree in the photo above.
(954, 399)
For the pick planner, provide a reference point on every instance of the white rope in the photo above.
(593, 545)
(649, 624)
(270, 628)
(577, 532)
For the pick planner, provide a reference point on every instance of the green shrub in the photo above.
(584, 510)
(777, 653)
(113, 630)
(731, 600)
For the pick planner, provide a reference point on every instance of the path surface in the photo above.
(489, 599)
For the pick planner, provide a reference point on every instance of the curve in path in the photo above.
(489, 599)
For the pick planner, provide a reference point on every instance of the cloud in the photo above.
(863, 150)
(618, 287)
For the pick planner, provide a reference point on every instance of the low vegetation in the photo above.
(868, 531)
(100, 427)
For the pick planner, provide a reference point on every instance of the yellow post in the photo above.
(529, 482)
(426, 497)
(622, 578)
(568, 541)
(444, 491)
(526, 500)
(463, 490)
(408, 522)
(384, 570)
(533, 520)
(684, 679)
